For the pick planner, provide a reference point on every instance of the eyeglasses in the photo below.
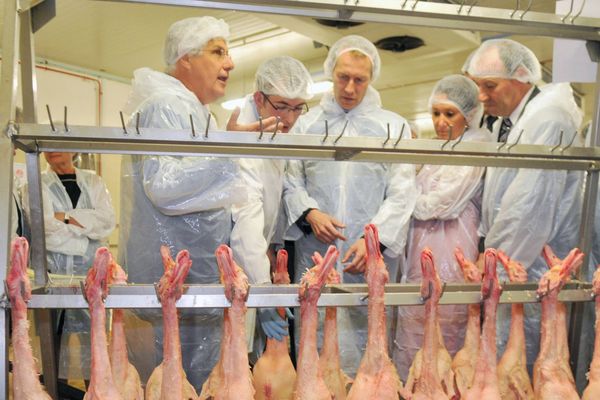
(219, 53)
(301, 109)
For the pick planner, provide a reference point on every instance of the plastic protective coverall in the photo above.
(523, 209)
(262, 213)
(71, 250)
(446, 216)
(356, 194)
(181, 202)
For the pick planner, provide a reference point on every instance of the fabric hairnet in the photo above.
(460, 92)
(284, 76)
(192, 34)
(465, 68)
(349, 43)
(505, 58)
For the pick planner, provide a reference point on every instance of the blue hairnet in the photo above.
(507, 59)
(349, 43)
(192, 34)
(460, 92)
(284, 76)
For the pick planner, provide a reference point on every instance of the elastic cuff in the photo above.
(481, 245)
(303, 224)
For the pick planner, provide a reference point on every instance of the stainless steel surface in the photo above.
(211, 296)
(89, 139)
(435, 15)
(28, 73)
(45, 321)
(36, 219)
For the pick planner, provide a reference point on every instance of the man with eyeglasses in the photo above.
(181, 202)
(282, 89)
(330, 202)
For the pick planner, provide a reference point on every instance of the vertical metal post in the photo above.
(28, 75)
(581, 328)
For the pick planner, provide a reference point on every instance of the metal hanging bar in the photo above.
(50, 118)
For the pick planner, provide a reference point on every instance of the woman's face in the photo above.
(445, 116)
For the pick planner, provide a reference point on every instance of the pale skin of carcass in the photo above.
(485, 383)
(329, 358)
(168, 380)
(513, 378)
(231, 379)
(592, 391)
(309, 382)
(274, 374)
(25, 380)
(102, 385)
(552, 377)
(430, 376)
(125, 375)
(376, 377)
(464, 361)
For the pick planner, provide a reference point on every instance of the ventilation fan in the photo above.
(398, 44)
(339, 24)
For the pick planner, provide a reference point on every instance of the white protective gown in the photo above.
(447, 214)
(356, 193)
(523, 209)
(181, 202)
(71, 250)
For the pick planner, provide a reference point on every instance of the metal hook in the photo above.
(276, 126)
(326, 132)
(191, 125)
(82, 286)
(65, 121)
(403, 4)
(570, 143)
(449, 138)
(400, 137)
(123, 123)
(516, 8)
(207, 125)
(340, 136)
(388, 134)
(569, 13)
(156, 291)
(429, 292)
(415, 4)
(471, 7)
(260, 126)
(579, 12)
(50, 118)
(364, 298)
(527, 9)
(443, 289)
(461, 6)
(137, 124)
(6, 289)
(458, 141)
(517, 141)
(541, 296)
(559, 142)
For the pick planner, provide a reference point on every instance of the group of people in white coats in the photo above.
(198, 203)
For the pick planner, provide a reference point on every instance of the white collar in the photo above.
(516, 114)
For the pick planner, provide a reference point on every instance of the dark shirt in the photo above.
(69, 181)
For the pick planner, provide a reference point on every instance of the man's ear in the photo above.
(258, 99)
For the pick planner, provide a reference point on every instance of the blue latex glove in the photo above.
(272, 324)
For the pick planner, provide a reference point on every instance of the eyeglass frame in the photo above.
(302, 109)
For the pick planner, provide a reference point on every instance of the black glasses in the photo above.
(301, 109)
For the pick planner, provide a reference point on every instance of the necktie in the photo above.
(504, 130)
(489, 122)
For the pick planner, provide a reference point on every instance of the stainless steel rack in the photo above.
(34, 138)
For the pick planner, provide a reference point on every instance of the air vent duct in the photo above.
(339, 24)
(399, 44)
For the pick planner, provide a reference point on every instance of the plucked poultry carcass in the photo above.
(464, 361)
(231, 379)
(125, 375)
(485, 383)
(430, 377)
(329, 358)
(274, 374)
(376, 377)
(592, 391)
(102, 385)
(168, 380)
(552, 376)
(25, 380)
(513, 378)
(309, 382)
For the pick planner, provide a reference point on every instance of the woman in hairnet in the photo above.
(324, 198)
(282, 89)
(446, 216)
(78, 218)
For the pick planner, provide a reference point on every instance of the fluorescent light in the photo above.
(321, 87)
(232, 104)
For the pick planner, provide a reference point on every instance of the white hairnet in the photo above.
(284, 76)
(505, 58)
(349, 43)
(191, 34)
(462, 93)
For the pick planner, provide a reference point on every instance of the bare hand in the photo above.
(359, 262)
(480, 262)
(268, 124)
(72, 221)
(324, 226)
